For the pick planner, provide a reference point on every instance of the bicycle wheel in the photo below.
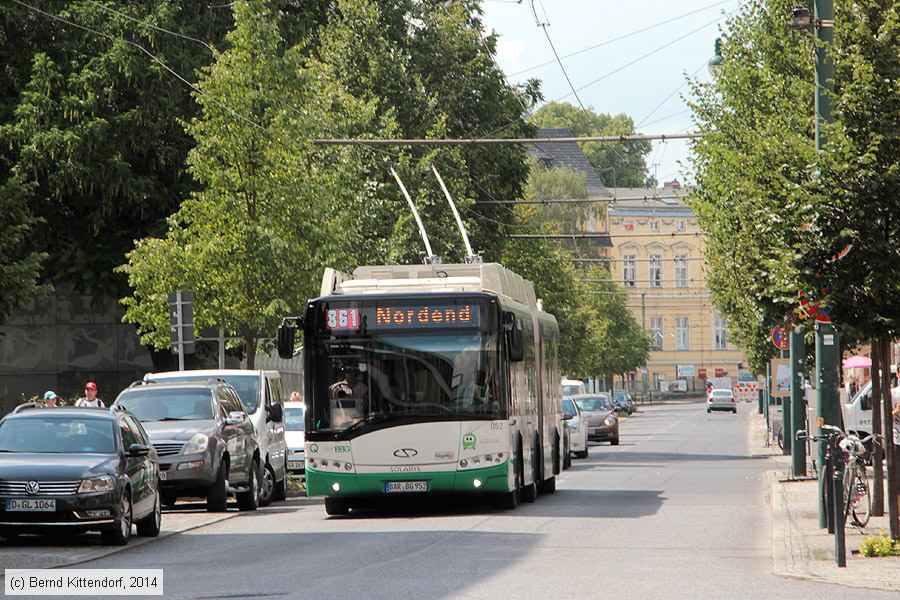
(861, 503)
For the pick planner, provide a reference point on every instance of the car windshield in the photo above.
(573, 388)
(58, 434)
(293, 419)
(569, 406)
(168, 404)
(247, 387)
(594, 403)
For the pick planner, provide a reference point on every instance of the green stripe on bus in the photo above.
(493, 479)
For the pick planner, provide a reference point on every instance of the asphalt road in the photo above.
(678, 510)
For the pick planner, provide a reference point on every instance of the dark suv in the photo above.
(204, 440)
(77, 469)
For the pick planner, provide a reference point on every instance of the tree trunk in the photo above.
(878, 458)
(891, 450)
(250, 342)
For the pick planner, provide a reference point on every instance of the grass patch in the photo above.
(879, 545)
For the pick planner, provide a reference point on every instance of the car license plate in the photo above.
(30, 505)
(163, 475)
(393, 487)
(295, 464)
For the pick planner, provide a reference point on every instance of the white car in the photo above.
(577, 427)
(294, 413)
(718, 399)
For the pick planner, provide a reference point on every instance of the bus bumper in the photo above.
(487, 480)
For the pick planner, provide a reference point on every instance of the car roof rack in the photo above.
(27, 406)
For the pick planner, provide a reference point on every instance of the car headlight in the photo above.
(609, 420)
(198, 443)
(104, 483)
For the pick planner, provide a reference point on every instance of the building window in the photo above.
(682, 334)
(721, 332)
(628, 269)
(654, 225)
(656, 333)
(679, 226)
(655, 270)
(681, 271)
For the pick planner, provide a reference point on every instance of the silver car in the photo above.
(577, 426)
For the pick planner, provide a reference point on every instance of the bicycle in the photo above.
(831, 435)
(857, 495)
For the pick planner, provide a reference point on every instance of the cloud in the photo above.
(510, 53)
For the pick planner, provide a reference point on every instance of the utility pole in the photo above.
(828, 345)
(786, 421)
(798, 402)
(644, 327)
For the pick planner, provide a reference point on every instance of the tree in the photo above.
(250, 243)
(89, 126)
(782, 221)
(19, 266)
(617, 165)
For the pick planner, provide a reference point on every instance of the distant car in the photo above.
(294, 413)
(598, 411)
(77, 470)
(572, 386)
(577, 427)
(204, 440)
(623, 401)
(718, 399)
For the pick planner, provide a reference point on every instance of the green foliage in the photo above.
(618, 165)
(879, 545)
(19, 266)
(89, 126)
(777, 214)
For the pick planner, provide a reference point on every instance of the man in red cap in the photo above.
(90, 399)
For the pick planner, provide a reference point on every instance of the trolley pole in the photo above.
(797, 403)
(786, 421)
(828, 409)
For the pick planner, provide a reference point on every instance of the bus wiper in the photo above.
(372, 418)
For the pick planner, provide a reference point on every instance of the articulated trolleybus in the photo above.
(429, 379)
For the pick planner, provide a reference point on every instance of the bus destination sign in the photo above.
(380, 316)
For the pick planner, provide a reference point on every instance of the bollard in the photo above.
(840, 547)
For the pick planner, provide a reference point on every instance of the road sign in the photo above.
(701, 373)
(781, 339)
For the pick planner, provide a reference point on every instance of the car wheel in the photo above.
(567, 458)
(708, 410)
(10, 536)
(582, 454)
(734, 410)
(121, 533)
(249, 500)
(337, 507)
(281, 486)
(267, 486)
(217, 496)
(150, 525)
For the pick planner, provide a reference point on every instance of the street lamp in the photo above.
(715, 63)
(800, 18)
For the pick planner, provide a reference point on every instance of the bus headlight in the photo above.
(476, 483)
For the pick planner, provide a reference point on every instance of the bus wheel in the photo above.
(337, 506)
(508, 500)
(548, 486)
(529, 492)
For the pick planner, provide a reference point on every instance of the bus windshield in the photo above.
(390, 376)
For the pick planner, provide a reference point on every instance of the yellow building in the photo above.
(657, 256)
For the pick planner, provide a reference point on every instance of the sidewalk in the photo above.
(800, 549)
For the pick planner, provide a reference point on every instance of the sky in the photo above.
(650, 90)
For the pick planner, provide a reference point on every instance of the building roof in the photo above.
(648, 201)
(569, 156)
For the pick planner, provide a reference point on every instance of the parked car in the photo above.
(77, 470)
(597, 410)
(294, 413)
(262, 396)
(205, 442)
(718, 399)
(572, 386)
(577, 427)
(623, 401)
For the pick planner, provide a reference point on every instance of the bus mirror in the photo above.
(515, 344)
(866, 402)
(286, 340)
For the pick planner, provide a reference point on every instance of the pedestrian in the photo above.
(50, 398)
(295, 397)
(90, 397)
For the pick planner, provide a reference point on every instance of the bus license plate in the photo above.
(30, 505)
(393, 487)
(295, 464)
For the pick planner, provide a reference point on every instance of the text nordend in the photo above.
(378, 316)
(423, 316)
